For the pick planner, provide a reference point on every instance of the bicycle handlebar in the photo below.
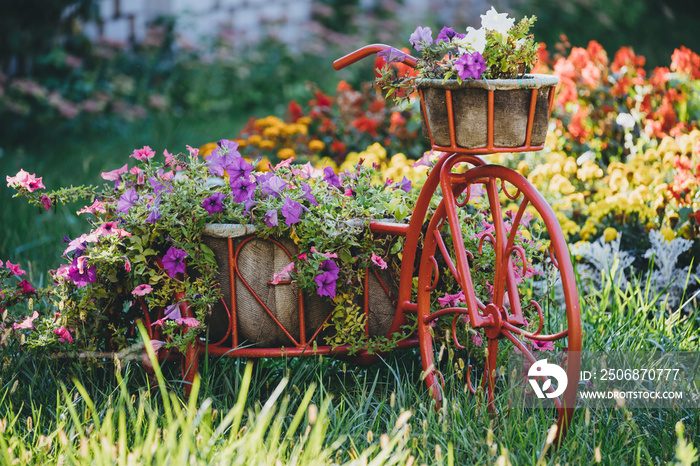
(366, 51)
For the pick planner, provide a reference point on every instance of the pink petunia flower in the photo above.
(46, 202)
(24, 180)
(283, 275)
(27, 323)
(378, 261)
(127, 264)
(187, 322)
(157, 345)
(143, 154)
(14, 268)
(63, 335)
(193, 152)
(97, 207)
(142, 290)
(115, 175)
(477, 340)
(543, 345)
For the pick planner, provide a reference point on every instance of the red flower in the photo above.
(26, 287)
(294, 111)
(366, 125)
(338, 147)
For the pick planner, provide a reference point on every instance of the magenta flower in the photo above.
(80, 273)
(193, 152)
(46, 202)
(63, 335)
(242, 189)
(543, 345)
(14, 269)
(127, 200)
(421, 36)
(27, 323)
(142, 290)
(174, 261)
(214, 203)
(271, 218)
(378, 261)
(143, 154)
(26, 287)
(451, 300)
(115, 175)
(470, 65)
(24, 180)
(127, 264)
(111, 228)
(291, 210)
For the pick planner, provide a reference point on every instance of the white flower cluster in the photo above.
(476, 38)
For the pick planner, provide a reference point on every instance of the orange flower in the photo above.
(343, 87)
(366, 125)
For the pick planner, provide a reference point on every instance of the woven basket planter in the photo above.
(255, 261)
(520, 117)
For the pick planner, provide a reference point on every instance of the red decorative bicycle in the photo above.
(508, 314)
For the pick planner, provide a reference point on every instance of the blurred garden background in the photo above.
(85, 82)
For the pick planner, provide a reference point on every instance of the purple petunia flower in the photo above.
(227, 145)
(127, 200)
(220, 160)
(154, 215)
(331, 178)
(291, 210)
(242, 189)
(239, 168)
(249, 204)
(326, 284)
(273, 185)
(174, 261)
(214, 203)
(327, 278)
(80, 273)
(392, 55)
(271, 218)
(307, 194)
(447, 34)
(404, 184)
(422, 35)
(470, 65)
(158, 187)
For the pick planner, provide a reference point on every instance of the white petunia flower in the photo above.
(499, 22)
(474, 40)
